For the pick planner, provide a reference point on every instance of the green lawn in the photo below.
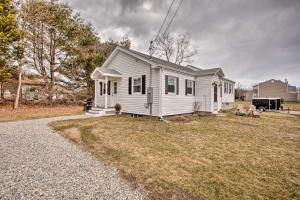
(210, 157)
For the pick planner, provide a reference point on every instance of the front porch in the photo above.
(106, 88)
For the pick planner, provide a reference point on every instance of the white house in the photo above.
(152, 86)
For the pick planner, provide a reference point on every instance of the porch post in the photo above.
(106, 81)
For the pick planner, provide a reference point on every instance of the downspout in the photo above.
(161, 92)
(95, 92)
(151, 90)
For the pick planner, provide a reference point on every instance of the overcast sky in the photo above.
(252, 40)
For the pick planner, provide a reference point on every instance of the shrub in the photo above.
(118, 108)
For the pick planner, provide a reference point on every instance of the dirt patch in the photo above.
(73, 134)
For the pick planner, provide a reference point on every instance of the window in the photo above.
(230, 88)
(137, 85)
(115, 88)
(189, 87)
(171, 84)
(104, 87)
(225, 88)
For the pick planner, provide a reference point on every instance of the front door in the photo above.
(215, 104)
(114, 93)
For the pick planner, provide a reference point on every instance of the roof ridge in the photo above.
(165, 63)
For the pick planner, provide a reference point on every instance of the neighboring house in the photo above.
(249, 95)
(243, 94)
(152, 86)
(275, 88)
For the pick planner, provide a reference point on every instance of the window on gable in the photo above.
(137, 85)
(189, 87)
(171, 84)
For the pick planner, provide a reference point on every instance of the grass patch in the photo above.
(33, 112)
(226, 157)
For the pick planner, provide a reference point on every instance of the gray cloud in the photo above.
(251, 40)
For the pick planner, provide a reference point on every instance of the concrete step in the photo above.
(97, 109)
(96, 112)
(110, 112)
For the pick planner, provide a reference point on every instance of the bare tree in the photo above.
(197, 106)
(165, 46)
(19, 52)
(175, 49)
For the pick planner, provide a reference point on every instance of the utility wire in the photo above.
(173, 18)
(153, 42)
(163, 21)
(161, 27)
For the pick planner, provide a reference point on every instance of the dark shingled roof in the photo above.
(189, 69)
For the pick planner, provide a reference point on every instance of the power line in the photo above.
(152, 48)
(161, 27)
(173, 18)
(164, 21)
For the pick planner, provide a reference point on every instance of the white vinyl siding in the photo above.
(173, 103)
(204, 93)
(129, 66)
(228, 92)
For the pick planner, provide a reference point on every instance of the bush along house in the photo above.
(152, 86)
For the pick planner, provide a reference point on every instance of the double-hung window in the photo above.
(189, 87)
(225, 88)
(171, 84)
(137, 85)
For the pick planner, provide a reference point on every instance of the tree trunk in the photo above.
(1, 90)
(16, 104)
(52, 63)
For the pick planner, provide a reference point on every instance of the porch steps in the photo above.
(101, 112)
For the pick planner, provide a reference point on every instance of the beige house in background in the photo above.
(275, 88)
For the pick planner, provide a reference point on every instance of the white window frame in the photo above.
(133, 84)
(175, 84)
(226, 89)
(192, 87)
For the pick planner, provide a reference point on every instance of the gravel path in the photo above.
(37, 163)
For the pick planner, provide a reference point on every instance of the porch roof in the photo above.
(105, 72)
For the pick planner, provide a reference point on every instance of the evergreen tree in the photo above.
(10, 35)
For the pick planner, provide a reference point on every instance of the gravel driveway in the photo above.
(37, 163)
